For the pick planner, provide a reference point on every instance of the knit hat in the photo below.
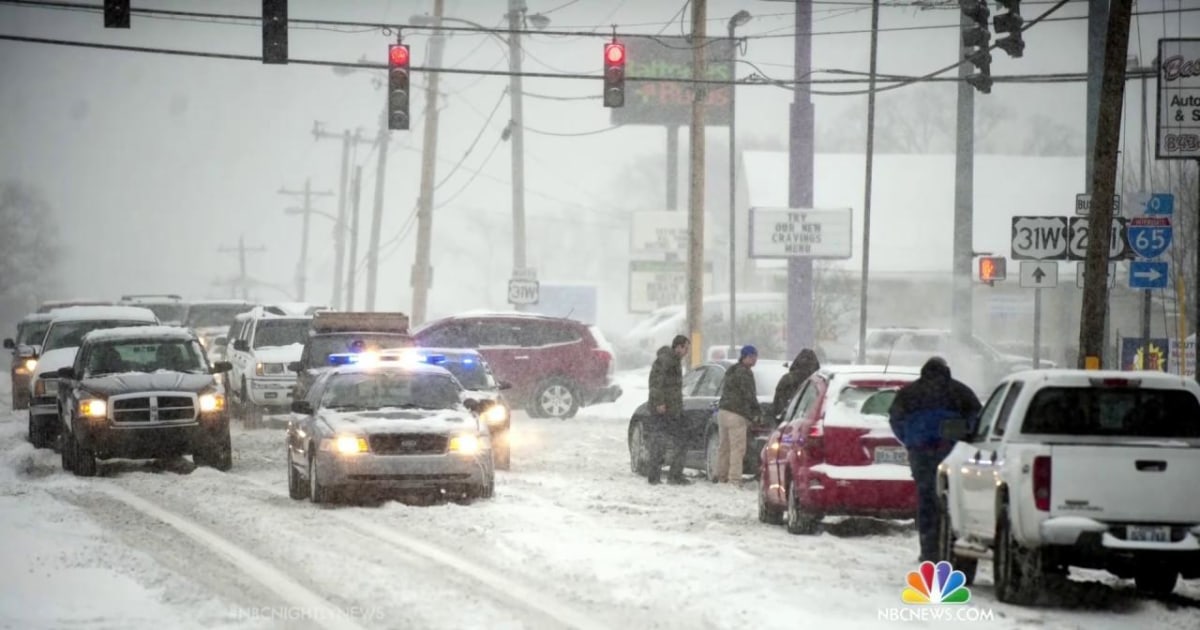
(748, 350)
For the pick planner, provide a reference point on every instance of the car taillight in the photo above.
(605, 357)
(814, 443)
(1041, 482)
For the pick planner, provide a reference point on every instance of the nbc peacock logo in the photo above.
(935, 584)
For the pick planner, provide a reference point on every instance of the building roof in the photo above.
(912, 202)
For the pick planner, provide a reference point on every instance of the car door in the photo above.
(790, 435)
(701, 404)
(984, 466)
(498, 340)
(300, 431)
(963, 476)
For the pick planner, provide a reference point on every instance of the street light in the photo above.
(738, 19)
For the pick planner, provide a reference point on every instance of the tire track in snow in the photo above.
(325, 614)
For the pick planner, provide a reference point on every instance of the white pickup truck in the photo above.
(1093, 469)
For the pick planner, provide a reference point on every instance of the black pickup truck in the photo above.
(141, 393)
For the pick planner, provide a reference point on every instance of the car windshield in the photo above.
(376, 390)
(321, 346)
(1124, 412)
(280, 332)
(211, 315)
(32, 333)
(70, 334)
(471, 373)
(166, 311)
(146, 355)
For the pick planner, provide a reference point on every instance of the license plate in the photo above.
(891, 455)
(1143, 533)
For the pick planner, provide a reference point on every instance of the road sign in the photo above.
(1153, 204)
(1039, 238)
(1149, 237)
(1148, 275)
(1177, 124)
(1079, 274)
(1118, 246)
(800, 232)
(657, 283)
(1083, 204)
(1039, 274)
(522, 292)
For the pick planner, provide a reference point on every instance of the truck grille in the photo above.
(408, 444)
(154, 409)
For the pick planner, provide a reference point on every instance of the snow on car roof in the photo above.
(1087, 378)
(138, 332)
(38, 317)
(81, 313)
(882, 371)
(222, 302)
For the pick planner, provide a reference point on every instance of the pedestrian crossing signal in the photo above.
(993, 269)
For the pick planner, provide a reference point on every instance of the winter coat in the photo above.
(805, 365)
(739, 394)
(921, 408)
(666, 382)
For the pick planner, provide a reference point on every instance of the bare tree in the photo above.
(28, 249)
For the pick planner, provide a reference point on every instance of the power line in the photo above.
(569, 134)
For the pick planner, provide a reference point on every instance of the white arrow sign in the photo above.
(1149, 275)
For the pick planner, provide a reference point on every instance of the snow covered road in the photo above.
(571, 539)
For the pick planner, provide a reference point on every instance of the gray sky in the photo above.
(155, 161)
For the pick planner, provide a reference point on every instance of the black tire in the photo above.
(501, 452)
(296, 487)
(766, 513)
(485, 491)
(798, 521)
(67, 452)
(39, 434)
(556, 398)
(83, 461)
(968, 566)
(711, 444)
(216, 452)
(1156, 581)
(639, 457)
(317, 493)
(1016, 572)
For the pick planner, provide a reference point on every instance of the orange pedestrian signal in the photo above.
(992, 269)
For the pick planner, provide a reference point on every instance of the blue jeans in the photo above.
(924, 465)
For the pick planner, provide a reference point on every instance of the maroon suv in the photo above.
(555, 365)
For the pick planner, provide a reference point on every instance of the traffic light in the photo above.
(398, 61)
(976, 39)
(614, 74)
(993, 269)
(275, 31)
(1010, 23)
(116, 13)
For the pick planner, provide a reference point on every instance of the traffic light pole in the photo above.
(800, 179)
(695, 263)
(516, 125)
(1037, 329)
(962, 306)
(866, 249)
(422, 272)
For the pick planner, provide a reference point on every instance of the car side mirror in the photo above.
(9, 344)
(472, 405)
(504, 385)
(220, 367)
(302, 407)
(66, 372)
(241, 346)
(296, 366)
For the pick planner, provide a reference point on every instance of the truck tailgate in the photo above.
(1125, 483)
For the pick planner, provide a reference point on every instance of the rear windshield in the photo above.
(70, 334)
(321, 346)
(280, 332)
(1126, 412)
(166, 311)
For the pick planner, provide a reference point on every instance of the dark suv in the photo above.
(555, 365)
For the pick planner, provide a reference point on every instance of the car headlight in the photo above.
(496, 414)
(350, 444)
(45, 387)
(93, 408)
(28, 365)
(465, 444)
(211, 402)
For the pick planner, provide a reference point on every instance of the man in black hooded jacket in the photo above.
(666, 423)
(919, 417)
(804, 366)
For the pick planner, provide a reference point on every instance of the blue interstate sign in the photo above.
(1149, 237)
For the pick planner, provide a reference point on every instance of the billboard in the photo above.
(669, 103)
(1177, 131)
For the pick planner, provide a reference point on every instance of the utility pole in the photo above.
(339, 231)
(695, 266)
(422, 272)
(1144, 176)
(800, 181)
(867, 187)
(377, 213)
(1104, 172)
(962, 307)
(306, 212)
(243, 279)
(516, 11)
(352, 266)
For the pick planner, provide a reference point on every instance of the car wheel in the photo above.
(799, 521)
(968, 566)
(296, 489)
(1156, 580)
(1016, 572)
(556, 398)
(67, 451)
(767, 513)
(484, 491)
(639, 458)
(39, 437)
(216, 452)
(317, 493)
(83, 460)
(711, 447)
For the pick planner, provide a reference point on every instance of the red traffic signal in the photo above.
(398, 54)
(993, 269)
(614, 74)
(614, 53)
(398, 86)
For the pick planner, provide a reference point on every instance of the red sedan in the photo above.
(834, 453)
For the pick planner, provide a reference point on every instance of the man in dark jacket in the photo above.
(737, 408)
(666, 422)
(805, 365)
(922, 417)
